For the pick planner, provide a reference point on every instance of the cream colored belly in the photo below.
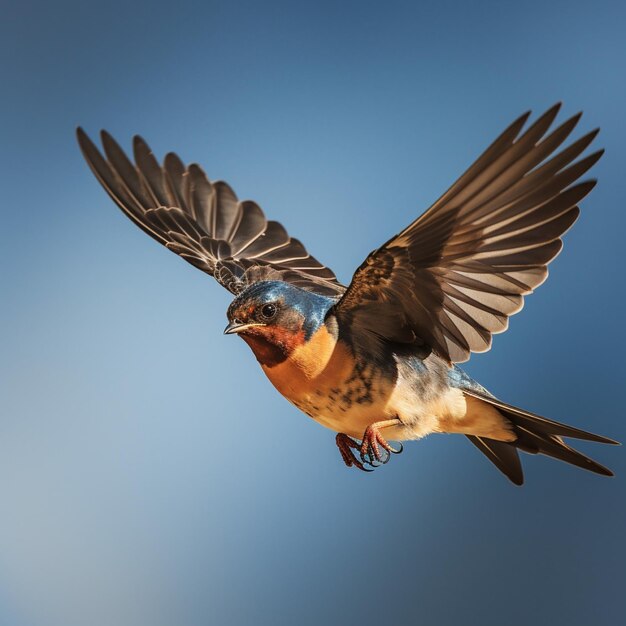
(327, 386)
(451, 412)
(334, 407)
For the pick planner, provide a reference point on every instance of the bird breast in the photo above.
(324, 380)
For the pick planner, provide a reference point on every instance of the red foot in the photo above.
(370, 450)
(346, 445)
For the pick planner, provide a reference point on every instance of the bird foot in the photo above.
(346, 445)
(373, 449)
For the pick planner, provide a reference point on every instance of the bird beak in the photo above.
(239, 327)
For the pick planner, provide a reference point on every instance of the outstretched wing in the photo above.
(203, 221)
(454, 276)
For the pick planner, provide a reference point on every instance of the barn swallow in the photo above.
(376, 361)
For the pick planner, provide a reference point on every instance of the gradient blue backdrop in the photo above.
(149, 474)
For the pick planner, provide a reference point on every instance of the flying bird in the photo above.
(376, 361)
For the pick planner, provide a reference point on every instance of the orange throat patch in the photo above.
(271, 344)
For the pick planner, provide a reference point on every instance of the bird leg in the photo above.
(369, 448)
(373, 441)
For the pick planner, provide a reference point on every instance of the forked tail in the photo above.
(535, 435)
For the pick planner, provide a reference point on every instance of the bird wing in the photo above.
(203, 221)
(453, 277)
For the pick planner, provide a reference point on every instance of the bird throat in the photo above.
(272, 345)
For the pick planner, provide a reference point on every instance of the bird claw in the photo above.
(373, 450)
(374, 447)
(374, 459)
(346, 445)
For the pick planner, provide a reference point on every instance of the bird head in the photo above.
(275, 317)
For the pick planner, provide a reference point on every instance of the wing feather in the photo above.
(452, 278)
(203, 221)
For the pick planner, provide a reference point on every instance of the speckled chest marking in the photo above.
(322, 378)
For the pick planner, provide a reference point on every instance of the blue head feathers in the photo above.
(281, 304)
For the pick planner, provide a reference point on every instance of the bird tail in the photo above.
(535, 435)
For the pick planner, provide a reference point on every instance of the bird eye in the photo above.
(268, 311)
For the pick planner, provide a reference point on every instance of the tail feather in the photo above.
(535, 435)
(503, 455)
(558, 449)
(534, 421)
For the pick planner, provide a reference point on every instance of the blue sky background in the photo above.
(149, 474)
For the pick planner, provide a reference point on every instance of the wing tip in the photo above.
(553, 111)
(140, 143)
(555, 108)
(106, 136)
(596, 156)
(173, 163)
(84, 140)
(586, 185)
(521, 120)
(576, 117)
(112, 148)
